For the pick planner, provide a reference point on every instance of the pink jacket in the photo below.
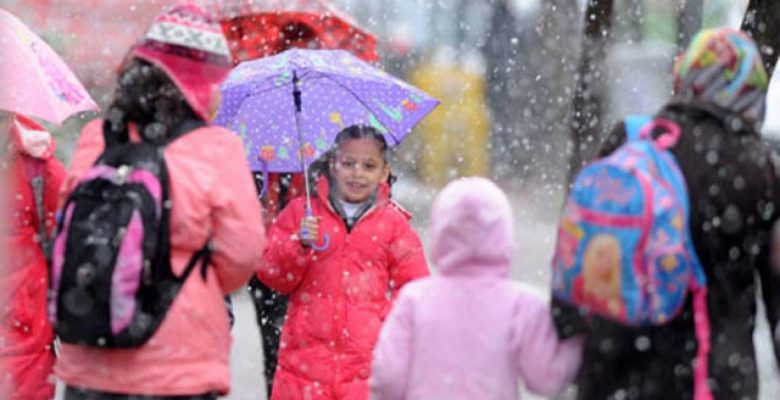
(469, 332)
(213, 195)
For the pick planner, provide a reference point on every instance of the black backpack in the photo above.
(112, 281)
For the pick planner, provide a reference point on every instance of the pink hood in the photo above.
(426, 348)
(472, 211)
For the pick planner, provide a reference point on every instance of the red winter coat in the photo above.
(26, 355)
(338, 297)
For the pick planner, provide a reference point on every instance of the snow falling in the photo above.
(529, 91)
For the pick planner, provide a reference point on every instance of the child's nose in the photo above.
(358, 170)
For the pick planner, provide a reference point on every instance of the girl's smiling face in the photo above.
(358, 168)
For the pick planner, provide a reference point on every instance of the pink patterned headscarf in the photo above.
(724, 66)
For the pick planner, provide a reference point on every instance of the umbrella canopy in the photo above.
(262, 28)
(92, 36)
(35, 81)
(337, 90)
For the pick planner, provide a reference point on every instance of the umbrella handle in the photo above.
(266, 179)
(325, 243)
(305, 234)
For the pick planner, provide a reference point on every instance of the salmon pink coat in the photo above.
(213, 198)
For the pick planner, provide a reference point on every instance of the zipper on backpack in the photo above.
(147, 272)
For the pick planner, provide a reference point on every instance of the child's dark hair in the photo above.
(321, 165)
(147, 97)
(363, 132)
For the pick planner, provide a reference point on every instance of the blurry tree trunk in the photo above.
(505, 48)
(689, 20)
(548, 65)
(587, 105)
(632, 21)
(461, 10)
(760, 23)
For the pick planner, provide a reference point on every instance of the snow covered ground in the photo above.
(246, 358)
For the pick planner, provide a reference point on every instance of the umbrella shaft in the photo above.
(302, 154)
(299, 130)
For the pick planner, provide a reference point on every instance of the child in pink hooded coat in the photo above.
(470, 332)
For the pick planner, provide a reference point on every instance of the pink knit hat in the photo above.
(187, 43)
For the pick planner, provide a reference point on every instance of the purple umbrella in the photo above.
(336, 90)
(288, 108)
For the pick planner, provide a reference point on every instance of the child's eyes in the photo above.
(347, 164)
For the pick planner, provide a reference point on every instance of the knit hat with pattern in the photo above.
(187, 43)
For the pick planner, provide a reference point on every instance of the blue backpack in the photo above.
(624, 249)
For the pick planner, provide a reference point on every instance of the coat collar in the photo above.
(733, 122)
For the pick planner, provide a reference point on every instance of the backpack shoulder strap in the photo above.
(203, 255)
(176, 132)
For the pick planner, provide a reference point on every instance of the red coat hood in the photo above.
(32, 139)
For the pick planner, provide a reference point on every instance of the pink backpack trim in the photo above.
(57, 263)
(127, 275)
(701, 366)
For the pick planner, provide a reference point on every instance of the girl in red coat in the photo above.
(33, 177)
(341, 268)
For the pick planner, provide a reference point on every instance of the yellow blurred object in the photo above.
(455, 136)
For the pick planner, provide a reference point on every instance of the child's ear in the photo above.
(385, 173)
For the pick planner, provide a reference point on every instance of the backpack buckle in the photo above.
(122, 174)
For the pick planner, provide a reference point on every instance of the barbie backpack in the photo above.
(624, 249)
